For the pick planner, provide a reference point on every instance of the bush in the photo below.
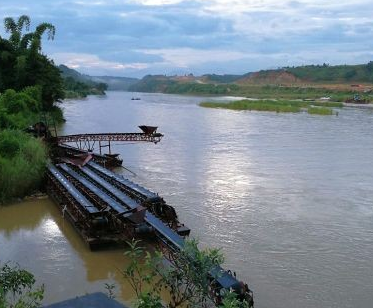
(8, 147)
(17, 288)
(12, 102)
(187, 278)
(22, 164)
(19, 110)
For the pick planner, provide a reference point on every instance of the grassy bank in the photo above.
(22, 157)
(80, 94)
(170, 85)
(263, 105)
(294, 92)
(30, 86)
(320, 110)
(22, 164)
(275, 106)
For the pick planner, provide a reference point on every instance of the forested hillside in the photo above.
(79, 85)
(339, 73)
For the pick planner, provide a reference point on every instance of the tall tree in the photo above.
(15, 29)
(37, 35)
(22, 64)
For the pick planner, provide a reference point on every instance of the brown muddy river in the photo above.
(35, 235)
(287, 197)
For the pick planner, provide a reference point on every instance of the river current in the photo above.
(287, 197)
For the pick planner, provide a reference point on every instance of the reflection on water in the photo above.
(35, 235)
(288, 198)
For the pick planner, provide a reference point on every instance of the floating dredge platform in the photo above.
(108, 209)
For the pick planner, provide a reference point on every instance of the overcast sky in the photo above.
(139, 37)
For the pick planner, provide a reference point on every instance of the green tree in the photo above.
(230, 300)
(17, 288)
(186, 277)
(15, 29)
(23, 65)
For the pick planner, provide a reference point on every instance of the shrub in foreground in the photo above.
(22, 164)
(17, 288)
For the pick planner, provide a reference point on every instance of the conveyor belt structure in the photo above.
(137, 190)
(94, 178)
(162, 231)
(88, 206)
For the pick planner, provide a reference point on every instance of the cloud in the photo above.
(236, 36)
(157, 2)
(90, 62)
(185, 57)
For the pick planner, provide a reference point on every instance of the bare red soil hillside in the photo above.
(274, 77)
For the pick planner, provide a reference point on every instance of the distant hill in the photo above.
(326, 76)
(274, 77)
(336, 74)
(312, 74)
(78, 85)
(113, 83)
(153, 83)
(186, 83)
(213, 78)
(116, 83)
(182, 85)
(334, 77)
(69, 72)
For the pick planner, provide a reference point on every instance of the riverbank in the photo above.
(270, 89)
(69, 94)
(22, 157)
(22, 164)
(320, 108)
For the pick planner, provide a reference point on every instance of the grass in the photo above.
(294, 92)
(320, 110)
(22, 164)
(262, 105)
(22, 157)
(323, 108)
(328, 104)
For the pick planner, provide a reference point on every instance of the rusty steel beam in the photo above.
(132, 137)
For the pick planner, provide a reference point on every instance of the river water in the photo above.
(287, 197)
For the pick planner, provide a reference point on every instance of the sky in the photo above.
(134, 38)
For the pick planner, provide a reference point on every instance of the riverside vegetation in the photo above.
(30, 85)
(17, 288)
(320, 108)
(154, 85)
(250, 87)
(77, 85)
(186, 278)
